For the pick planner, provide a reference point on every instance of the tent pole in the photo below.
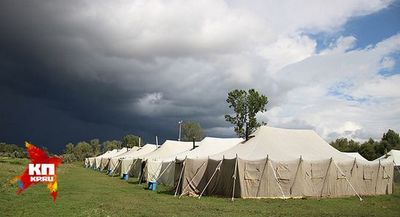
(159, 176)
(132, 164)
(377, 175)
(197, 172)
(234, 178)
(276, 178)
(348, 181)
(112, 174)
(216, 169)
(295, 175)
(141, 171)
(326, 174)
(180, 176)
(262, 175)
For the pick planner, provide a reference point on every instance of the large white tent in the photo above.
(113, 161)
(90, 161)
(283, 163)
(97, 160)
(124, 164)
(105, 159)
(163, 170)
(393, 156)
(355, 155)
(169, 149)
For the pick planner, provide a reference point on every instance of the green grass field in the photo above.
(84, 192)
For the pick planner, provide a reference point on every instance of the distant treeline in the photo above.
(11, 150)
(74, 152)
(370, 149)
(81, 150)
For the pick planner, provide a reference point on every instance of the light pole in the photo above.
(180, 129)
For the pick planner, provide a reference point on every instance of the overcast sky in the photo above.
(77, 70)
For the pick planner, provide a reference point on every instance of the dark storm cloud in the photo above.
(61, 81)
(76, 70)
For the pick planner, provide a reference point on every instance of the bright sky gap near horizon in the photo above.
(77, 70)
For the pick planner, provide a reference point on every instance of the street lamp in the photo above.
(180, 129)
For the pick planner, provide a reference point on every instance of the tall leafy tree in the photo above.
(96, 146)
(111, 145)
(69, 148)
(246, 105)
(342, 144)
(130, 141)
(190, 130)
(82, 150)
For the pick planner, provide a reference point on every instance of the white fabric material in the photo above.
(163, 171)
(97, 159)
(167, 151)
(105, 159)
(283, 145)
(170, 149)
(393, 155)
(126, 162)
(114, 160)
(355, 155)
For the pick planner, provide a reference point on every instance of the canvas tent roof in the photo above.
(393, 155)
(355, 155)
(89, 162)
(137, 152)
(126, 163)
(97, 160)
(106, 159)
(129, 152)
(208, 146)
(283, 145)
(114, 160)
(169, 149)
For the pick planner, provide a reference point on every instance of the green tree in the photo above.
(96, 146)
(190, 130)
(368, 150)
(344, 145)
(130, 140)
(69, 148)
(110, 145)
(12, 150)
(246, 105)
(392, 138)
(83, 150)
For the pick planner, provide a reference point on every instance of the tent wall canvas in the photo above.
(241, 172)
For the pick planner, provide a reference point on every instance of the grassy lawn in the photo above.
(84, 192)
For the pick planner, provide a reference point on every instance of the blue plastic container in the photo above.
(152, 186)
(125, 177)
(110, 172)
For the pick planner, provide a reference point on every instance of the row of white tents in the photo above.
(273, 163)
